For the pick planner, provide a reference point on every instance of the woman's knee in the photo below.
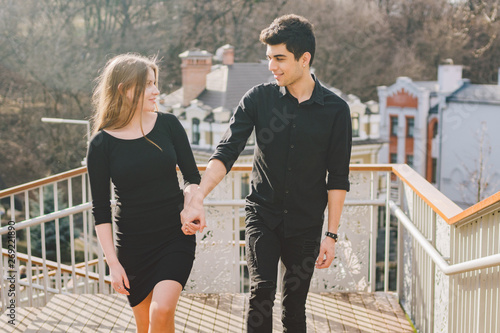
(162, 310)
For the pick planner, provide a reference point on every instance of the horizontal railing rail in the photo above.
(48, 217)
(448, 210)
(432, 232)
(444, 266)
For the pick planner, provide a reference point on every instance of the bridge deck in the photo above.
(326, 312)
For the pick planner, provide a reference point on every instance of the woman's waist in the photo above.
(134, 207)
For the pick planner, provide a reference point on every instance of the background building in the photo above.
(444, 130)
(212, 87)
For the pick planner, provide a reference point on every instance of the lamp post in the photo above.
(71, 121)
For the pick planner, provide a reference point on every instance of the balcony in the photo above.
(398, 235)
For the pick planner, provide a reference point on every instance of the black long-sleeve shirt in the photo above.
(296, 146)
(144, 176)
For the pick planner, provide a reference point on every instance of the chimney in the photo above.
(228, 55)
(195, 66)
(225, 54)
(449, 76)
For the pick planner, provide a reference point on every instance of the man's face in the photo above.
(285, 68)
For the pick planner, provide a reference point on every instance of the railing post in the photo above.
(373, 236)
(432, 268)
(13, 270)
(72, 233)
(102, 269)
(28, 249)
(85, 234)
(236, 230)
(58, 238)
(387, 231)
(44, 249)
(400, 245)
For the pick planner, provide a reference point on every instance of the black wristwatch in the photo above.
(331, 235)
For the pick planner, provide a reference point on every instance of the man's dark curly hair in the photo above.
(295, 31)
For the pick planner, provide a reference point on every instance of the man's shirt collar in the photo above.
(317, 95)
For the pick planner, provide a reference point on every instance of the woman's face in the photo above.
(150, 93)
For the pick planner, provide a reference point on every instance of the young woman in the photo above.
(137, 150)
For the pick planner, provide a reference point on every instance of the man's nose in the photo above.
(272, 65)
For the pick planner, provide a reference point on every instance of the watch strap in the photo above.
(331, 235)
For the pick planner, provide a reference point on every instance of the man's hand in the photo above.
(193, 214)
(326, 253)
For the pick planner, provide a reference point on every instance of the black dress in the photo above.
(150, 244)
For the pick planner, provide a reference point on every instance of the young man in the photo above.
(301, 163)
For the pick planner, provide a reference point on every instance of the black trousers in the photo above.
(264, 248)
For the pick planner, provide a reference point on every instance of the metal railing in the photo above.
(447, 259)
(446, 270)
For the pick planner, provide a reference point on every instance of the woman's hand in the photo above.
(190, 228)
(119, 279)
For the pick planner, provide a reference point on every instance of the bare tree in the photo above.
(51, 51)
(479, 180)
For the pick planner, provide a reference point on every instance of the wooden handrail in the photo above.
(53, 271)
(477, 208)
(79, 265)
(441, 204)
(201, 167)
(41, 182)
(53, 265)
(90, 263)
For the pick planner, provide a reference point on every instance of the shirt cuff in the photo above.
(338, 183)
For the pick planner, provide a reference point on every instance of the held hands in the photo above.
(326, 253)
(193, 214)
(190, 228)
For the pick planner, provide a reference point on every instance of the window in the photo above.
(434, 169)
(435, 130)
(394, 125)
(394, 158)
(196, 131)
(355, 124)
(410, 126)
(409, 160)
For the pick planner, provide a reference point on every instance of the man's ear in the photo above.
(305, 59)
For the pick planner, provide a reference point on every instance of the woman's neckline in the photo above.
(134, 139)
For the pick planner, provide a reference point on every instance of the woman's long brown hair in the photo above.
(113, 109)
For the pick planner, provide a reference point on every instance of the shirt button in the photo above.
(292, 146)
(294, 125)
(289, 169)
(286, 192)
(285, 211)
